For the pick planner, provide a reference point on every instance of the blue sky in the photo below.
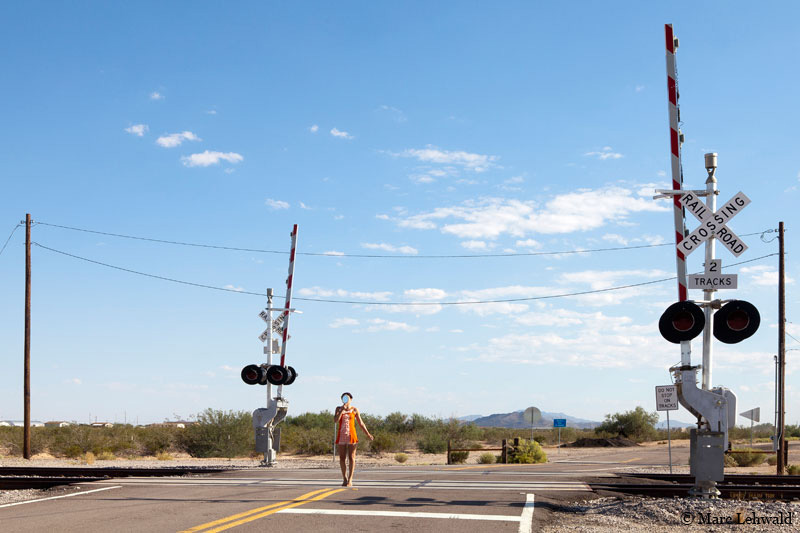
(405, 130)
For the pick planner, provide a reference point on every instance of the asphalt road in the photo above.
(402, 498)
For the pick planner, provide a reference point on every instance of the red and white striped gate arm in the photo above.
(288, 305)
(675, 149)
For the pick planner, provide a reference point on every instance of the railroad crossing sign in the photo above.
(713, 279)
(713, 224)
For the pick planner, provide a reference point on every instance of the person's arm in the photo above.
(361, 423)
(338, 414)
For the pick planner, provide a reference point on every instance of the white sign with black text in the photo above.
(713, 224)
(666, 398)
(713, 279)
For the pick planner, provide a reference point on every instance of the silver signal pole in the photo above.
(711, 203)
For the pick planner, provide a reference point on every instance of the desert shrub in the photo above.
(219, 433)
(400, 457)
(163, 456)
(527, 452)
(487, 458)
(793, 470)
(156, 439)
(729, 461)
(772, 460)
(749, 458)
(315, 441)
(383, 442)
(540, 439)
(88, 458)
(106, 456)
(321, 420)
(638, 425)
(458, 457)
(432, 441)
(396, 423)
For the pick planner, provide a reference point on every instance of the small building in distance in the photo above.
(57, 424)
(102, 425)
(21, 423)
(173, 424)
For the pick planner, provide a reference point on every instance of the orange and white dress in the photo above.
(346, 432)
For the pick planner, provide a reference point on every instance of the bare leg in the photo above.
(351, 452)
(342, 449)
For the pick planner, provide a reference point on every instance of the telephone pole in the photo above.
(781, 354)
(26, 438)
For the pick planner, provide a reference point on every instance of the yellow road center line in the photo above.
(273, 511)
(631, 460)
(251, 511)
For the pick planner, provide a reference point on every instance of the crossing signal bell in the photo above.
(734, 322)
(263, 374)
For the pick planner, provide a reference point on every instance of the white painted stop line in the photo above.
(525, 519)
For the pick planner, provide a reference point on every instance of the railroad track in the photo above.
(729, 491)
(15, 478)
(738, 479)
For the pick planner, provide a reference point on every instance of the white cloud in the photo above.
(515, 180)
(382, 217)
(333, 252)
(489, 218)
(341, 134)
(319, 292)
(343, 322)
(396, 114)
(155, 95)
(639, 88)
(390, 248)
(528, 243)
(176, 139)
(605, 153)
(233, 288)
(474, 245)
(304, 206)
(209, 158)
(211, 112)
(425, 294)
(380, 324)
(470, 161)
(763, 275)
(276, 204)
(138, 129)
(76, 381)
(314, 128)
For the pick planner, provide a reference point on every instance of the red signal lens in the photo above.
(738, 320)
(251, 374)
(683, 321)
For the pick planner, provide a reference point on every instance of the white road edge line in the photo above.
(402, 514)
(59, 497)
(526, 520)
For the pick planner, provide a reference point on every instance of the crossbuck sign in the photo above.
(713, 224)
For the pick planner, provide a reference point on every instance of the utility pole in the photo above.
(26, 438)
(781, 354)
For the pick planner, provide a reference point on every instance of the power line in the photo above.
(356, 302)
(9, 238)
(370, 256)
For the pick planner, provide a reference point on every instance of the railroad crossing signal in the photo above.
(713, 224)
(263, 374)
(736, 321)
(682, 321)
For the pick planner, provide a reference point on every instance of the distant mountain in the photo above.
(468, 418)
(674, 424)
(517, 420)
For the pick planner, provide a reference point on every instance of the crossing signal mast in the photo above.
(733, 321)
(266, 420)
